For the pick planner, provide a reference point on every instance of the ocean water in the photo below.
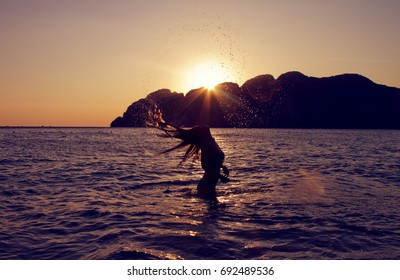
(102, 193)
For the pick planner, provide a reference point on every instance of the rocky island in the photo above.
(293, 100)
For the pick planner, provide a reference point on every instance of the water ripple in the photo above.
(109, 194)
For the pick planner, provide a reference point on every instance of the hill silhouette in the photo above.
(293, 100)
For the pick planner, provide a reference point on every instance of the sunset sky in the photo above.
(82, 62)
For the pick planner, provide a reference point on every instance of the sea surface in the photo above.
(104, 193)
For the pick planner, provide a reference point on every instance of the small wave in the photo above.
(180, 183)
(9, 193)
(132, 255)
(114, 236)
(92, 213)
(110, 237)
(244, 190)
(131, 252)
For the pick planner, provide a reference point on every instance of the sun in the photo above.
(207, 75)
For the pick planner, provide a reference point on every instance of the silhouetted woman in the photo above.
(202, 144)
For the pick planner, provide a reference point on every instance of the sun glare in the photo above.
(207, 75)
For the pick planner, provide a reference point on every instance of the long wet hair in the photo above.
(192, 137)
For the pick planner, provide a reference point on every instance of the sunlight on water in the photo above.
(309, 188)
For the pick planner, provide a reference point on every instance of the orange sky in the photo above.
(81, 63)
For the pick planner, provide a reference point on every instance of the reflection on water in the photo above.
(109, 194)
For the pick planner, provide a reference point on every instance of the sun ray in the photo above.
(207, 75)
